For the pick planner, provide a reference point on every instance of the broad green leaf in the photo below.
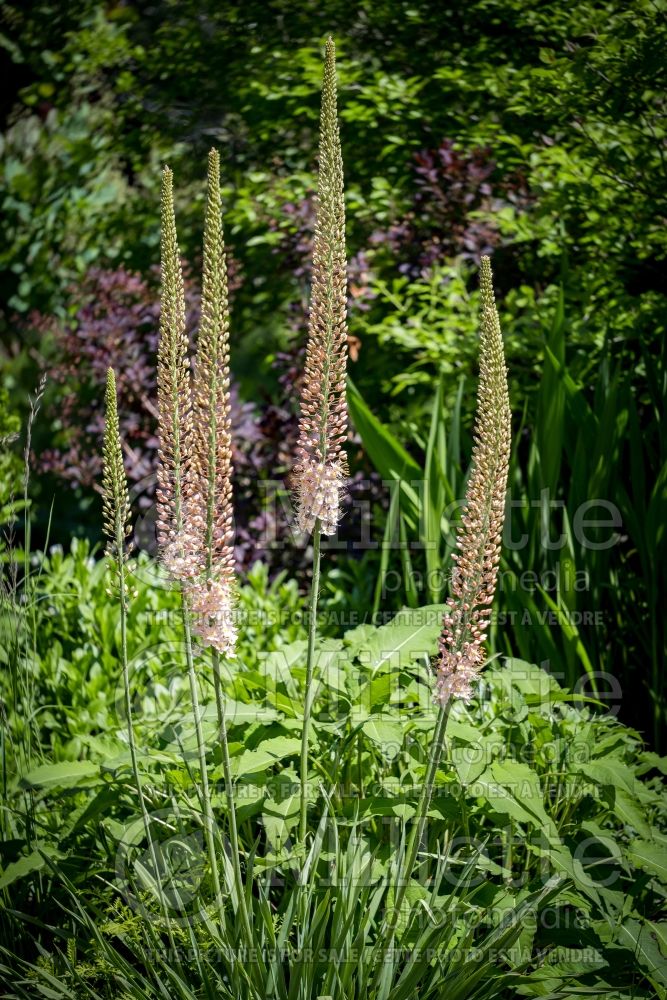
(379, 691)
(281, 807)
(277, 665)
(364, 809)
(24, 866)
(523, 783)
(563, 861)
(628, 809)
(536, 684)
(564, 963)
(652, 760)
(265, 755)
(238, 713)
(659, 928)
(249, 803)
(386, 733)
(641, 940)
(650, 857)
(358, 638)
(502, 800)
(471, 760)
(609, 772)
(412, 633)
(66, 774)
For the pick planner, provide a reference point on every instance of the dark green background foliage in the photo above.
(534, 132)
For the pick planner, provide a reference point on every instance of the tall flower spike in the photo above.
(466, 619)
(208, 483)
(173, 383)
(321, 467)
(115, 498)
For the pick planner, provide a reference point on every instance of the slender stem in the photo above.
(308, 703)
(201, 750)
(229, 788)
(122, 587)
(406, 866)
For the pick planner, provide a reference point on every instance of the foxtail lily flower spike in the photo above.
(208, 479)
(466, 619)
(321, 466)
(174, 404)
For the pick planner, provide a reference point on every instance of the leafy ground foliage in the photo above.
(541, 802)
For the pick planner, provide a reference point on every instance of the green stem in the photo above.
(122, 587)
(201, 750)
(308, 703)
(406, 866)
(229, 788)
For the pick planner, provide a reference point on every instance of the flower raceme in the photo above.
(174, 398)
(321, 467)
(208, 484)
(466, 619)
(115, 497)
(194, 481)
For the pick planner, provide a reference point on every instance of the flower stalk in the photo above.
(116, 515)
(209, 488)
(465, 622)
(178, 539)
(321, 467)
(310, 660)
